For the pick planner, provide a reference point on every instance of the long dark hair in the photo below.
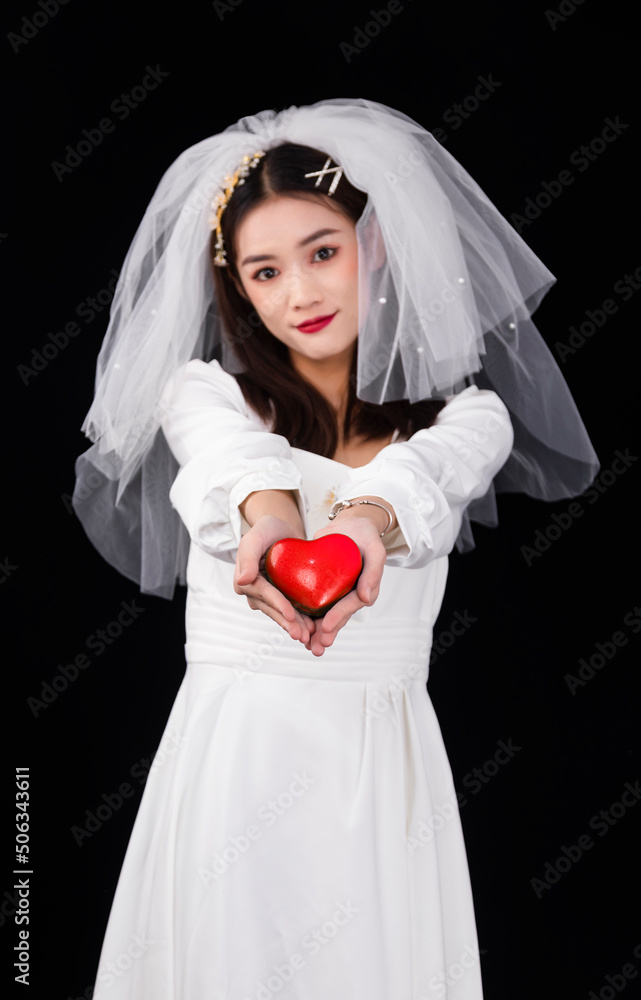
(270, 383)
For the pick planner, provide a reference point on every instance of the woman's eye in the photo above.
(262, 275)
(323, 253)
(328, 251)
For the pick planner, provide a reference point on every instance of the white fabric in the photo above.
(225, 452)
(293, 795)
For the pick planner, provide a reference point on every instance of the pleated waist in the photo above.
(366, 649)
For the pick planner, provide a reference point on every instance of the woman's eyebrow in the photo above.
(303, 243)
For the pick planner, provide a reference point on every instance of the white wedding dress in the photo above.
(299, 835)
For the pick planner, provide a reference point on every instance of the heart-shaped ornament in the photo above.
(314, 574)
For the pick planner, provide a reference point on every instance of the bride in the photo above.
(322, 327)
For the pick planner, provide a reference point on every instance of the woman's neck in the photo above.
(331, 378)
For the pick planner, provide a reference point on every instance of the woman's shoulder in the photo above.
(207, 383)
(211, 371)
(198, 377)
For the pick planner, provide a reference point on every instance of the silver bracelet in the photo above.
(343, 504)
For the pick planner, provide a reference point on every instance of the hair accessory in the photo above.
(219, 204)
(337, 171)
(343, 504)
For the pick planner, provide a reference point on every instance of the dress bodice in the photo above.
(221, 626)
(226, 452)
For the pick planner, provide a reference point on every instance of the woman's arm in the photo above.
(224, 457)
(232, 468)
(430, 479)
(426, 482)
(275, 503)
(374, 513)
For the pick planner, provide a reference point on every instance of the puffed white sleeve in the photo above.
(224, 455)
(432, 477)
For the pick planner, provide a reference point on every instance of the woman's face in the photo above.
(297, 260)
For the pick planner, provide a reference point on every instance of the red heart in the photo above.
(314, 574)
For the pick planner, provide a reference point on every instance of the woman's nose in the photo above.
(303, 289)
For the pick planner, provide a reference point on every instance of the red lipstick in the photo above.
(312, 325)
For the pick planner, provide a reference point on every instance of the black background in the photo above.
(555, 82)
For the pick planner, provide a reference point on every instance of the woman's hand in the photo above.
(362, 530)
(260, 594)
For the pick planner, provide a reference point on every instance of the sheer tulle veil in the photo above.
(448, 303)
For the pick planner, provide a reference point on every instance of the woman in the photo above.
(301, 836)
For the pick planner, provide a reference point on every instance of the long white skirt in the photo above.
(298, 837)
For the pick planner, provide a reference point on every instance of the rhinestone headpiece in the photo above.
(221, 200)
(219, 203)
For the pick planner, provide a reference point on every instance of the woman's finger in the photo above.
(246, 574)
(296, 627)
(338, 616)
(247, 560)
(364, 595)
(263, 596)
(327, 630)
(369, 581)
